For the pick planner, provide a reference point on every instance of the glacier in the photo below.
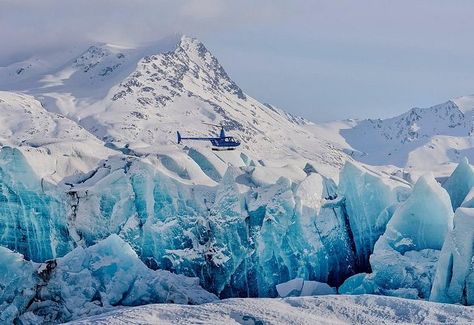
(459, 183)
(234, 238)
(370, 201)
(405, 257)
(280, 231)
(239, 243)
(32, 210)
(454, 279)
(112, 236)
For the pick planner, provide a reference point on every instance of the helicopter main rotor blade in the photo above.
(219, 126)
(197, 138)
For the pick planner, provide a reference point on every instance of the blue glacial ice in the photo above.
(239, 243)
(469, 199)
(237, 237)
(87, 281)
(405, 257)
(460, 183)
(301, 288)
(32, 211)
(370, 201)
(454, 279)
(17, 284)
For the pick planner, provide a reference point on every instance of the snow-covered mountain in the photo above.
(431, 139)
(142, 96)
(422, 137)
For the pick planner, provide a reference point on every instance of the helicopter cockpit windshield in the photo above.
(231, 140)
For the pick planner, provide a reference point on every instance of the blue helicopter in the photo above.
(222, 142)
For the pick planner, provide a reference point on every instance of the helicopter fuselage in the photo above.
(219, 143)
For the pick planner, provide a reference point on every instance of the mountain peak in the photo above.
(465, 103)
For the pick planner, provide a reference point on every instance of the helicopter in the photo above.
(222, 142)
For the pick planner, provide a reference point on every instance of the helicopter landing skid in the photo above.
(222, 149)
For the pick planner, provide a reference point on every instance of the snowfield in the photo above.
(335, 309)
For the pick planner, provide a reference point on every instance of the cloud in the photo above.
(383, 56)
(31, 26)
(203, 9)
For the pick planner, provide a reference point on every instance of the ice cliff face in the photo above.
(405, 256)
(32, 212)
(370, 201)
(454, 280)
(238, 243)
(237, 238)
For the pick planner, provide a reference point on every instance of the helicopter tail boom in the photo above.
(181, 138)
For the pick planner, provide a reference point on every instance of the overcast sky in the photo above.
(323, 60)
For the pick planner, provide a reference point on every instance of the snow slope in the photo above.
(433, 138)
(365, 309)
(54, 145)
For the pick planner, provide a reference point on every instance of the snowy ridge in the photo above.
(365, 309)
(422, 139)
(25, 121)
(54, 145)
(465, 103)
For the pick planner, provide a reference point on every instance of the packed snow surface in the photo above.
(364, 309)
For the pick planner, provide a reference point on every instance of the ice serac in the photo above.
(87, 282)
(278, 233)
(322, 215)
(17, 283)
(239, 240)
(460, 183)
(469, 200)
(370, 201)
(228, 252)
(32, 213)
(404, 258)
(162, 218)
(423, 220)
(301, 288)
(454, 279)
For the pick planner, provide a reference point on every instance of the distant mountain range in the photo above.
(139, 97)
